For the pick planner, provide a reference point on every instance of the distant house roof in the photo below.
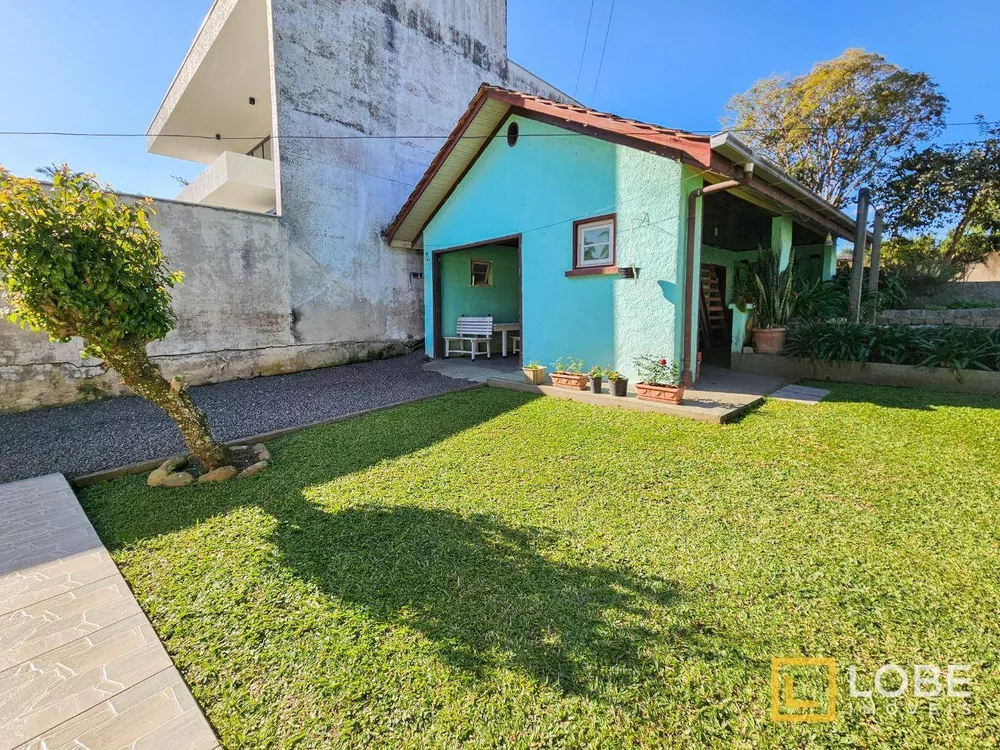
(720, 157)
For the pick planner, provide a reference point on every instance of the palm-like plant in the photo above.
(774, 300)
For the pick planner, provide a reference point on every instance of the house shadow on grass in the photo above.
(480, 591)
(488, 595)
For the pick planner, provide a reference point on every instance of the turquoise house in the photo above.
(602, 238)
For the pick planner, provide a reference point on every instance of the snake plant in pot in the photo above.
(774, 300)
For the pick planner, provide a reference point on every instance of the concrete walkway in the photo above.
(721, 396)
(84, 438)
(80, 665)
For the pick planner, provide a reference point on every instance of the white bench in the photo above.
(474, 332)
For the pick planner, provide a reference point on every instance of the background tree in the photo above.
(842, 124)
(950, 192)
(76, 261)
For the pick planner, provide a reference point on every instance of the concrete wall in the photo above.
(234, 317)
(370, 68)
(605, 320)
(317, 285)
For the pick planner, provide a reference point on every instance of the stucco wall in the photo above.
(234, 317)
(605, 320)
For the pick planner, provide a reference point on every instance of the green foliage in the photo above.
(655, 370)
(569, 365)
(921, 263)
(597, 372)
(76, 260)
(613, 376)
(821, 300)
(535, 364)
(951, 190)
(364, 593)
(773, 294)
(842, 124)
(952, 347)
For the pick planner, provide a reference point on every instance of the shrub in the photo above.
(952, 347)
(76, 261)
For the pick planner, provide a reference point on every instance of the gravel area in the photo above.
(83, 438)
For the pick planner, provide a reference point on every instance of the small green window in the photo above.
(482, 273)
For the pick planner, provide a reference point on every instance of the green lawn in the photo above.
(489, 568)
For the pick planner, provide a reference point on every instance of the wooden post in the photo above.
(858, 263)
(873, 270)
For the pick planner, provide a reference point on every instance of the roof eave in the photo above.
(732, 148)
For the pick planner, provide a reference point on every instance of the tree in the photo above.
(842, 124)
(76, 261)
(951, 190)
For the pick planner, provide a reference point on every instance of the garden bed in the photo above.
(871, 373)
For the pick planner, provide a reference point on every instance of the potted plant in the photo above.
(534, 373)
(619, 383)
(660, 380)
(596, 377)
(568, 373)
(773, 300)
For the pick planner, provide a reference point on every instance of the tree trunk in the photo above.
(138, 372)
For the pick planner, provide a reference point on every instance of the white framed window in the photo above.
(482, 273)
(594, 244)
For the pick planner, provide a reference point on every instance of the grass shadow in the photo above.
(894, 397)
(480, 590)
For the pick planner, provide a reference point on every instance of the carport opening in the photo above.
(482, 280)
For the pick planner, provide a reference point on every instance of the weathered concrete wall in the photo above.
(978, 318)
(317, 285)
(954, 291)
(404, 68)
(234, 316)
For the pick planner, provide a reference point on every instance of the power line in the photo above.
(583, 52)
(604, 49)
(366, 136)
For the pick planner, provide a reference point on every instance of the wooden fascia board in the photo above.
(454, 139)
(786, 202)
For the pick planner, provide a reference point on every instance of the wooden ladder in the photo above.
(713, 311)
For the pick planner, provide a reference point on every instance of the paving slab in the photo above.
(801, 394)
(80, 664)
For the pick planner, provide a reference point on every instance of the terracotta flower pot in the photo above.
(670, 394)
(570, 380)
(534, 375)
(768, 340)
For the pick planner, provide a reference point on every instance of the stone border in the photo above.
(871, 373)
(980, 317)
(86, 480)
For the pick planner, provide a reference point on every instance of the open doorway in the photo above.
(478, 281)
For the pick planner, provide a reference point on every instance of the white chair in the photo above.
(515, 344)
(476, 332)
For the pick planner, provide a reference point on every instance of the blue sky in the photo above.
(104, 65)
